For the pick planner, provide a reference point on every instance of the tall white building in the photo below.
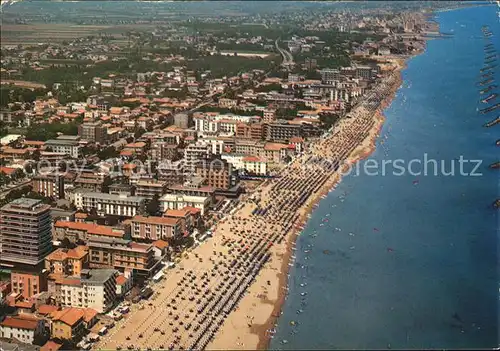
(194, 153)
(109, 204)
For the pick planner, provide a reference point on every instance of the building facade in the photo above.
(28, 284)
(218, 173)
(66, 145)
(69, 262)
(121, 254)
(150, 188)
(25, 232)
(282, 131)
(177, 202)
(155, 228)
(94, 289)
(26, 330)
(50, 185)
(116, 205)
(93, 131)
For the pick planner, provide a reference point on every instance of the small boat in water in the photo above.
(487, 74)
(487, 81)
(492, 123)
(490, 108)
(490, 98)
(488, 89)
(487, 68)
(495, 165)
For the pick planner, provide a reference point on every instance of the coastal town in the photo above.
(153, 182)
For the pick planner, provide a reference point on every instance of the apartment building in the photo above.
(95, 288)
(293, 77)
(148, 188)
(162, 151)
(181, 120)
(269, 115)
(25, 232)
(69, 323)
(178, 201)
(93, 131)
(24, 328)
(171, 172)
(162, 136)
(93, 181)
(218, 173)
(254, 165)
(50, 185)
(83, 231)
(253, 130)
(28, 283)
(228, 103)
(365, 72)
(155, 228)
(329, 76)
(108, 204)
(248, 147)
(277, 152)
(189, 218)
(194, 153)
(69, 262)
(65, 144)
(281, 131)
(121, 254)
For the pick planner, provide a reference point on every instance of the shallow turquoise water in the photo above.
(419, 269)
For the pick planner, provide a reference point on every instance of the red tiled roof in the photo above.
(155, 220)
(69, 316)
(139, 144)
(160, 244)
(20, 323)
(90, 228)
(50, 346)
(274, 146)
(8, 170)
(47, 309)
(252, 159)
(89, 314)
(176, 213)
(24, 304)
(34, 142)
(192, 210)
(121, 279)
(61, 254)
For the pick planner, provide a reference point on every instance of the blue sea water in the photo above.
(414, 264)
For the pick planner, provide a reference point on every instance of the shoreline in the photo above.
(244, 268)
(235, 333)
(366, 151)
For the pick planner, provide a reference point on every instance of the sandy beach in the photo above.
(263, 304)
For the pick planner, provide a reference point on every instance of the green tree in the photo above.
(153, 206)
(138, 132)
(109, 152)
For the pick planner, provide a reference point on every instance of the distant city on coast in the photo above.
(249, 175)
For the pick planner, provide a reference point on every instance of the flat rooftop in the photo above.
(25, 204)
